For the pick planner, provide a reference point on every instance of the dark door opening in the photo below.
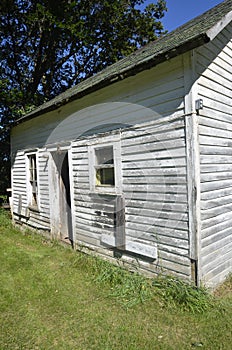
(65, 202)
(61, 212)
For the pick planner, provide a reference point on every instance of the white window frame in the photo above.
(107, 142)
(30, 204)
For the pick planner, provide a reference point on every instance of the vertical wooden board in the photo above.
(120, 222)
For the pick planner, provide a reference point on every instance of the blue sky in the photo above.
(181, 11)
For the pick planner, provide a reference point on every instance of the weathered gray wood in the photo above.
(171, 204)
(142, 248)
(120, 222)
(215, 129)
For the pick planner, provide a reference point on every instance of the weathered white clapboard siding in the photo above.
(43, 190)
(215, 138)
(38, 219)
(88, 226)
(147, 96)
(155, 189)
(155, 201)
(19, 181)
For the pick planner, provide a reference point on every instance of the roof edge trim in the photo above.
(219, 26)
(113, 78)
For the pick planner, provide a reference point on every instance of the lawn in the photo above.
(55, 298)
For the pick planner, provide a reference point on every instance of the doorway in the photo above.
(60, 197)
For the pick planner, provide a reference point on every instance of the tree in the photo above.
(48, 46)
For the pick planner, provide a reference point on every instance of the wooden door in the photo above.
(60, 200)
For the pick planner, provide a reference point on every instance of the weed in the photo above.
(175, 291)
(130, 288)
(5, 219)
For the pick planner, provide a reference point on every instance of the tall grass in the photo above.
(55, 298)
(130, 288)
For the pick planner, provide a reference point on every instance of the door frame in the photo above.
(54, 179)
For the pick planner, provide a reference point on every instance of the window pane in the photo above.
(33, 179)
(104, 155)
(105, 177)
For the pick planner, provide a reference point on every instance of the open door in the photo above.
(60, 198)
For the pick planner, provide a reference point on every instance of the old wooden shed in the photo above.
(135, 163)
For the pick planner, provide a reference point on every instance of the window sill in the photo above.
(106, 191)
(33, 208)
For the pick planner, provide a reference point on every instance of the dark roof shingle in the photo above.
(186, 37)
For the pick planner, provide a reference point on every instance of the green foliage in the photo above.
(5, 219)
(175, 291)
(49, 46)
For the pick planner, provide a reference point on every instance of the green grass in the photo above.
(54, 298)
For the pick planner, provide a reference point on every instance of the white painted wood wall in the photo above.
(153, 162)
(155, 190)
(214, 65)
(147, 112)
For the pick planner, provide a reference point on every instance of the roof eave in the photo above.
(219, 26)
(147, 63)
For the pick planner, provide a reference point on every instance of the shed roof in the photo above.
(194, 33)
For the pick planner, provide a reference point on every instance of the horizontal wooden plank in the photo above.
(175, 149)
(153, 180)
(156, 205)
(90, 231)
(205, 140)
(215, 185)
(156, 188)
(215, 86)
(175, 263)
(219, 269)
(215, 150)
(161, 197)
(96, 223)
(154, 133)
(216, 124)
(142, 248)
(154, 155)
(148, 225)
(215, 168)
(162, 140)
(220, 209)
(217, 97)
(217, 227)
(220, 241)
(80, 186)
(215, 72)
(216, 194)
(215, 159)
(210, 113)
(217, 176)
(216, 202)
(172, 250)
(167, 174)
(223, 217)
(161, 85)
(154, 163)
(159, 213)
(211, 261)
(158, 233)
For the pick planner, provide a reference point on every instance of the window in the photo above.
(105, 167)
(33, 184)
